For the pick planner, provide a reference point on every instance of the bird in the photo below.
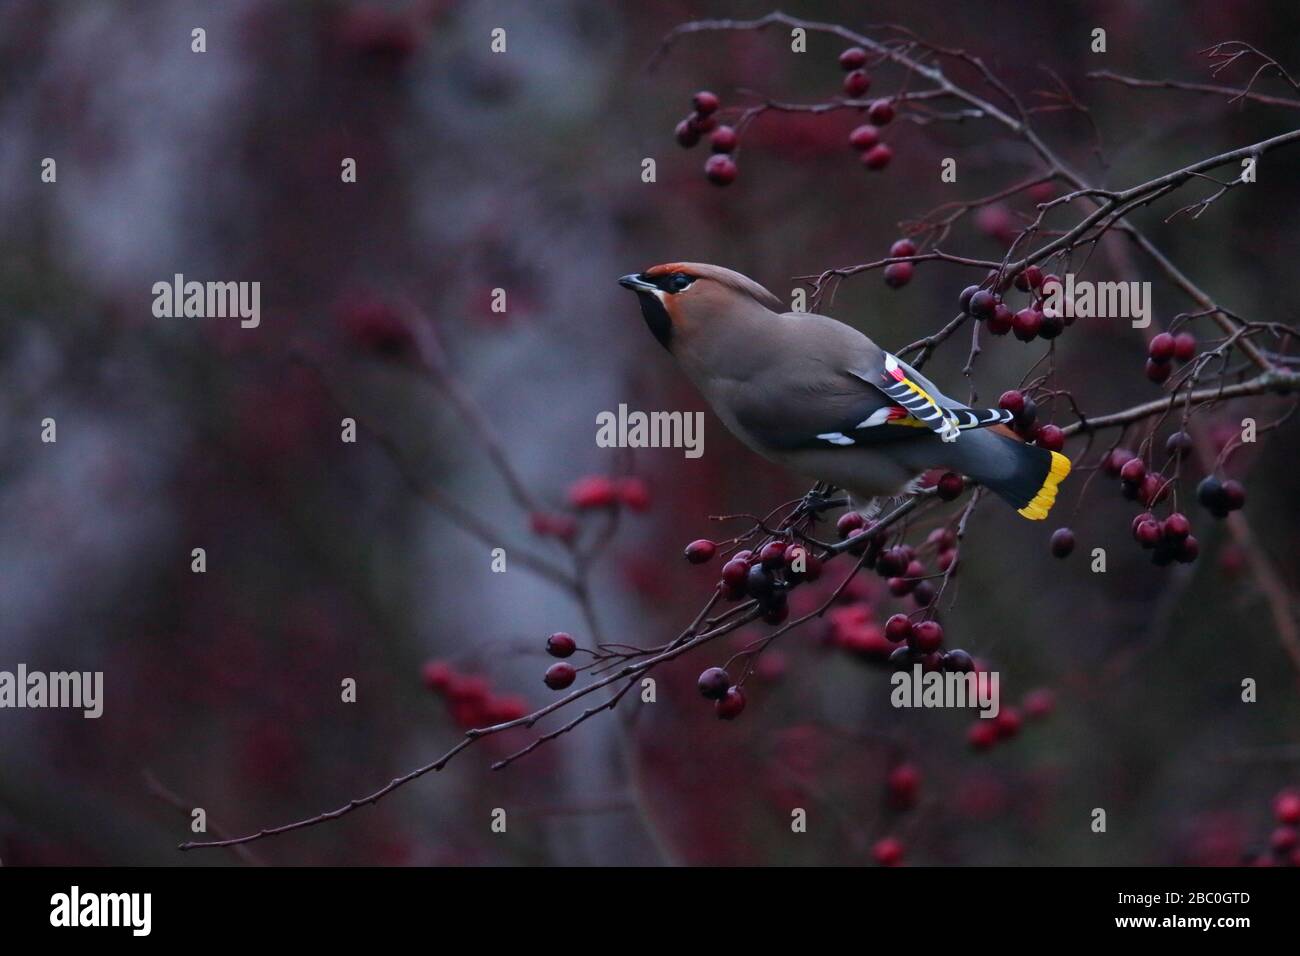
(820, 398)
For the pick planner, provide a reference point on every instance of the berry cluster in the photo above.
(1284, 841)
(1163, 349)
(1036, 320)
(601, 491)
(720, 168)
(1025, 421)
(560, 674)
(985, 733)
(866, 138)
(899, 274)
(469, 698)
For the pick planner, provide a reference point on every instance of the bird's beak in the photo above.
(637, 284)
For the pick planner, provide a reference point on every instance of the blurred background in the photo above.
(522, 171)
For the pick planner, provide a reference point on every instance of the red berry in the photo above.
(963, 300)
(561, 644)
(1030, 278)
(1153, 488)
(892, 562)
(854, 58)
(888, 852)
(945, 560)
(856, 83)
(1115, 460)
(982, 303)
(927, 636)
(1147, 533)
(701, 551)
(730, 704)
(1157, 372)
(773, 555)
(634, 493)
(702, 123)
(1176, 526)
(864, 137)
(898, 628)
(904, 783)
(878, 156)
(1001, 321)
(713, 683)
(881, 112)
(902, 249)
(942, 538)
(1062, 542)
(900, 586)
(849, 521)
(1050, 437)
(594, 491)
(1026, 324)
(723, 139)
(705, 102)
(1007, 722)
(735, 572)
(1284, 840)
(982, 734)
(1184, 346)
(559, 676)
(720, 169)
(1286, 807)
(898, 274)
(950, 486)
(686, 133)
(1012, 401)
(923, 594)
(1161, 348)
(1189, 549)
(1133, 470)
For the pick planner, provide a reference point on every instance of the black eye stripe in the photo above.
(673, 282)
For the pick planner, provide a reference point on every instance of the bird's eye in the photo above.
(679, 281)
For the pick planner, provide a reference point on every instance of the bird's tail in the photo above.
(1025, 476)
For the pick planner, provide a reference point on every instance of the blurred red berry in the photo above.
(720, 169)
(902, 249)
(864, 137)
(904, 784)
(1286, 807)
(634, 493)
(593, 491)
(878, 156)
(982, 734)
(1184, 346)
(856, 83)
(898, 274)
(437, 675)
(881, 112)
(704, 102)
(1038, 703)
(854, 58)
(686, 133)
(723, 139)
(888, 852)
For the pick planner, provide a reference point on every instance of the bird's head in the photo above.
(680, 298)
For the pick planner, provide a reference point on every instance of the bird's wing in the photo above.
(913, 391)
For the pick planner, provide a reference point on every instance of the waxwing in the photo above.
(822, 399)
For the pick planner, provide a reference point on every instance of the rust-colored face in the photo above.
(676, 296)
(658, 289)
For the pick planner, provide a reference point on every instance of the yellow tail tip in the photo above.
(1042, 502)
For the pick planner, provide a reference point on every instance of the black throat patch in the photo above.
(656, 317)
